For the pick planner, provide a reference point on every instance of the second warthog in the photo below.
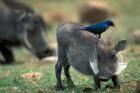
(87, 54)
(21, 28)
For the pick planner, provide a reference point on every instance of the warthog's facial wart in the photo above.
(120, 68)
(94, 66)
(29, 46)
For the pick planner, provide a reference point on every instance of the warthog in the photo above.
(87, 54)
(18, 5)
(21, 29)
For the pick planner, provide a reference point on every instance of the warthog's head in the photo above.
(106, 64)
(30, 32)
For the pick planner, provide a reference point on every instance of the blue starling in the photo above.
(99, 28)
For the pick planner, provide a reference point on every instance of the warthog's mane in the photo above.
(106, 45)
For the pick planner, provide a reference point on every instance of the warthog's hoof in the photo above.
(112, 87)
(70, 84)
(109, 86)
(87, 90)
(96, 88)
(59, 88)
(6, 63)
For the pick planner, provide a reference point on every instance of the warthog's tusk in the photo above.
(120, 68)
(94, 66)
(50, 59)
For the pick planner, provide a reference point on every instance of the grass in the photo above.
(11, 82)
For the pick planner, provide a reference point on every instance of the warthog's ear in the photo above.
(121, 45)
(23, 17)
(23, 22)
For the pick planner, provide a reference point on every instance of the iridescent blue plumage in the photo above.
(99, 28)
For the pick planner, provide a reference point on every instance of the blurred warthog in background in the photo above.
(20, 26)
(17, 5)
(87, 54)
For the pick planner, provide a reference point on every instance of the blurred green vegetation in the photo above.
(126, 21)
(11, 82)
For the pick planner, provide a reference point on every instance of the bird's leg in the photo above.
(99, 35)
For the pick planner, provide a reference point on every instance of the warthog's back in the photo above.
(6, 14)
(7, 22)
(79, 46)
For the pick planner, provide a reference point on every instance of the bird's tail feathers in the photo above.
(81, 28)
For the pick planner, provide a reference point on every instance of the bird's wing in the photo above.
(97, 27)
(101, 26)
(91, 27)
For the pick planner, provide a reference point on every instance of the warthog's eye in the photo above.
(113, 55)
(36, 22)
(35, 25)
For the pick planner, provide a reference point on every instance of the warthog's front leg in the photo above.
(115, 81)
(97, 83)
(7, 54)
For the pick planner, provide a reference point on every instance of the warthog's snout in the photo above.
(45, 53)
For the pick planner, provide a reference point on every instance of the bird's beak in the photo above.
(113, 25)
